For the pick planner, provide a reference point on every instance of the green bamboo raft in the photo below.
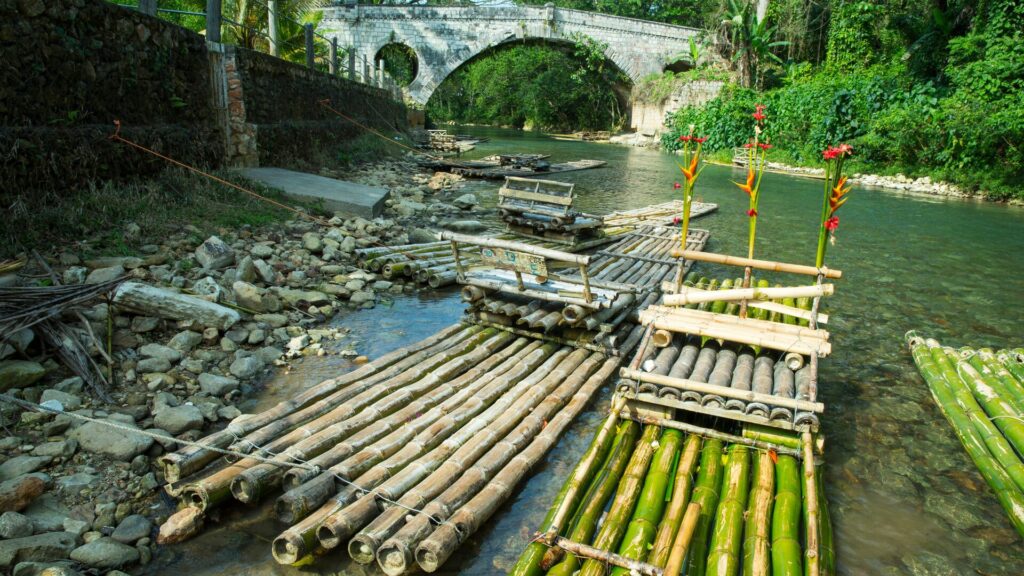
(981, 394)
(664, 500)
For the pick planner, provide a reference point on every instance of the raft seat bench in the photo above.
(543, 208)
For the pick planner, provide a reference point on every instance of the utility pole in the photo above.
(272, 27)
(213, 13)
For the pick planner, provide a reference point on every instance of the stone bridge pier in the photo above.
(444, 38)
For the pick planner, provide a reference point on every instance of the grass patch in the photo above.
(159, 206)
(367, 148)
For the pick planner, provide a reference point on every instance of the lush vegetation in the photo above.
(534, 86)
(918, 87)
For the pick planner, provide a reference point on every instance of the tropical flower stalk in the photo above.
(691, 169)
(835, 196)
(756, 153)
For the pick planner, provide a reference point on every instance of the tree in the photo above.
(750, 39)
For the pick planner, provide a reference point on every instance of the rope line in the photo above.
(273, 460)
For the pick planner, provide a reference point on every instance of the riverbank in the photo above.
(248, 300)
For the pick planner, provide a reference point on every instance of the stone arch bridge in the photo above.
(444, 37)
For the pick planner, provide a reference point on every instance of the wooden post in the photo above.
(213, 14)
(586, 283)
(333, 62)
(352, 65)
(310, 61)
(459, 270)
(272, 29)
(519, 280)
(148, 7)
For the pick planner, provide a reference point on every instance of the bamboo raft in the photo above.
(981, 394)
(495, 170)
(708, 462)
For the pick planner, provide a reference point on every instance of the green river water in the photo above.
(904, 497)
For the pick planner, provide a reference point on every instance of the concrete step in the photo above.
(336, 195)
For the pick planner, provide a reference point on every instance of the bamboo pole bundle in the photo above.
(650, 507)
(189, 460)
(727, 536)
(964, 424)
(568, 498)
(706, 494)
(989, 392)
(712, 326)
(684, 538)
(1013, 361)
(999, 377)
(354, 415)
(593, 503)
(347, 521)
(446, 493)
(704, 388)
(757, 532)
(385, 437)
(785, 551)
(374, 465)
(677, 505)
(439, 546)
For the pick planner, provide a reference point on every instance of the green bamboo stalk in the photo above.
(828, 553)
(625, 500)
(705, 493)
(995, 443)
(757, 532)
(1008, 359)
(727, 537)
(677, 506)
(649, 508)
(787, 558)
(991, 394)
(771, 435)
(791, 302)
(1010, 497)
(712, 285)
(592, 506)
(999, 377)
(584, 473)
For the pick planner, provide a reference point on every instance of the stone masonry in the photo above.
(445, 37)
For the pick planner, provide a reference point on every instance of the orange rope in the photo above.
(116, 136)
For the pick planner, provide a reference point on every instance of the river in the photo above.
(904, 497)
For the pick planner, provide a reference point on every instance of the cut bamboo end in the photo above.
(661, 338)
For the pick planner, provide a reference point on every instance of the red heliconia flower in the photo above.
(764, 145)
(676, 220)
(830, 153)
(748, 145)
(759, 116)
(677, 185)
(752, 213)
(845, 149)
(759, 107)
(700, 140)
(685, 138)
(832, 223)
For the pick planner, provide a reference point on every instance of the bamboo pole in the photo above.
(681, 545)
(704, 388)
(693, 296)
(759, 264)
(627, 565)
(828, 554)
(785, 552)
(558, 255)
(439, 546)
(643, 527)
(593, 502)
(812, 528)
(1000, 378)
(706, 494)
(753, 336)
(727, 536)
(712, 433)
(782, 438)
(735, 321)
(990, 394)
(673, 517)
(757, 532)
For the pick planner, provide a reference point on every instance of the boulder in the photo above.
(215, 254)
(14, 525)
(20, 465)
(421, 236)
(265, 271)
(19, 373)
(132, 528)
(294, 297)
(178, 419)
(246, 367)
(39, 548)
(246, 271)
(217, 385)
(17, 493)
(466, 201)
(101, 275)
(185, 341)
(248, 296)
(311, 241)
(69, 402)
(116, 443)
(167, 304)
(105, 553)
(153, 350)
(149, 365)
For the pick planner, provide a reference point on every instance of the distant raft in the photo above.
(981, 394)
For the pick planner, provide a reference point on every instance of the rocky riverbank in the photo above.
(197, 326)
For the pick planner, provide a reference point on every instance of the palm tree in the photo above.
(750, 38)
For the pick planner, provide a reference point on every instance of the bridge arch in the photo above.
(446, 37)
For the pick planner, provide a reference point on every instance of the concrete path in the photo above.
(336, 195)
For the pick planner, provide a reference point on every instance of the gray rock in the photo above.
(75, 275)
(75, 483)
(70, 402)
(269, 353)
(160, 351)
(167, 304)
(22, 465)
(14, 525)
(47, 513)
(73, 385)
(217, 385)
(209, 289)
(294, 297)
(408, 207)
(311, 241)
(101, 275)
(105, 553)
(179, 419)
(265, 271)
(76, 526)
(248, 296)
(185, 341)
(63, 448)
(147, 365)
(19, 341)
(19, 373)
(215, 254)
(39, 548)
(246, 271)
(246, 367)
(362, 296)
(132, 528)
(262, 251)
(119, 444)
(466, 226)
(347, 245)
(63, 568)
(421, 235)
(143, 324)
(466, 201)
